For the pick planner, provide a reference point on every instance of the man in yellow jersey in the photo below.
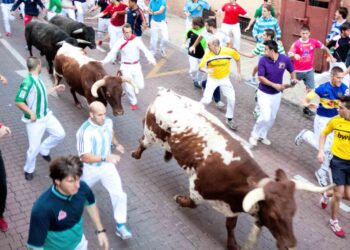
(340, 163)
(216, 63)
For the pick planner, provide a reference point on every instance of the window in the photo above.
(319, 3)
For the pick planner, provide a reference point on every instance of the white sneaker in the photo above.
(253, 141)
(123, 232)
(220, 105)
(253, 80)
(299, 138)
(232, 124)
(321, 177)
(265, 141)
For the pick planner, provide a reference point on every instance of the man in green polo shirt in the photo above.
(56, 221)
(55, 7)
(31, 99)
(258, 13)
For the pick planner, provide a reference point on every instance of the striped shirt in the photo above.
(263, 23)
(95, 139)
(335, 29)
(259, 49)
(219, 63)
(32, 92)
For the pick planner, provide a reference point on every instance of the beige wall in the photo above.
(176, 6)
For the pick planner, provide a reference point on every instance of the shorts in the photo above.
(340, 171)
(308, 78)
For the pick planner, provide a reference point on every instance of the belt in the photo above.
(131, 62)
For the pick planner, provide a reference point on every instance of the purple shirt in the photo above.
(273, 71)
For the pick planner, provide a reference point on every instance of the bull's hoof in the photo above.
(184, 201)
(167, 156)
(136, 155)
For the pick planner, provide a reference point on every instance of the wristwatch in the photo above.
(100, 231)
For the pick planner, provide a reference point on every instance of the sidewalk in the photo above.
(176, 25)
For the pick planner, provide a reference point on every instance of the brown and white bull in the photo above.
(221, 169)
(87, 77)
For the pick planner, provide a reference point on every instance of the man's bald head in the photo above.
(98, 112)
(97, 106)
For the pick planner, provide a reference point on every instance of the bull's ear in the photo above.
(281, 175)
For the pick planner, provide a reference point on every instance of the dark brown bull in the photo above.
(221, 169)
(87, 77)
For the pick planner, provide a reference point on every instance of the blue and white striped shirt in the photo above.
(95, 139)
(335, 29)
(263, 23)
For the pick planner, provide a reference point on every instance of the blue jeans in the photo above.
(216, 95)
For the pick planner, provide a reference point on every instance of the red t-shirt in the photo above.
(232, 12)
(119, 19)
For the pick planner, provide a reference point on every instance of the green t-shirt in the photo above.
(32, 92)
(258, 12)
(55, 6)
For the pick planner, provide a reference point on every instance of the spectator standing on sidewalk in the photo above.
(6, 6)
(340, 163)
(302, 53)
(266, 21)
(230, 25)
(258, 13)
(117, 11)
(30, 9)
(329, 94)
(270, 71)
(194, 8)
(216, 63)
(94, 140)
(158, 8)
(56, 221)
(340, 18)
(3, 182)
(130, 47)
(31, 99)
(136, 18)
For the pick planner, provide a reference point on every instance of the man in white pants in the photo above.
(271, 68)
(130, 47)
(31, 98)
(6, 6)
(216, 62)
(94, 140)
(157, 8)
(329, 94)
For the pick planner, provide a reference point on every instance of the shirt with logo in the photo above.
(273, 71)
(306, 51)
(135, 18)
(220, 63)
(56, 221)
(232, 12)
(119, 19)
(329, 98)
(95, 139)
(32, 92)
(341, 141)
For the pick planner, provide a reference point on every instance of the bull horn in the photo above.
(130, 81)
(60, 43)
(251, 198)
(78, 31)
(96, 86)
(83, 41)
(300, 185)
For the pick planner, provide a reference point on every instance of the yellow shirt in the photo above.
(341, 141)
(220, 63)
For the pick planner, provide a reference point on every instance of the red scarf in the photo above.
(126, 42)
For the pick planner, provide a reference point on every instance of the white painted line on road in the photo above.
(44, 75)
(342, 205)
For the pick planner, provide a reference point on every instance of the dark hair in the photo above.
(271, 33)
(126, 26)
(343, 12)
(62, 167)
(305, 27)
(336, 70)
(134, 1)
(32, 63)
(211, 22)
(345, 26)
(345, 100)
(268, 7)
(198, 21)
(272, 45)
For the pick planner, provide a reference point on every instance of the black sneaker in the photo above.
(28, 176)
(46, 157)
(308, 112)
